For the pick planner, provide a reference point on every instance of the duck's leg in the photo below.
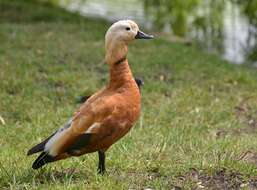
(101, 163)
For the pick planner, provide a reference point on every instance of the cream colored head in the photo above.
(118, 36)
(124, 30)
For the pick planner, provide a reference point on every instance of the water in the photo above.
(236, 34)
(233, 38)
(111, 10)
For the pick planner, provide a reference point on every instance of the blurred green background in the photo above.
(226, 27)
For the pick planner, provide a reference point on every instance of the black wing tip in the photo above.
(42, 159)
(139, 82)
(37, 148)
(35, 166)
(29, 152)
(33, 151)
(82, 99)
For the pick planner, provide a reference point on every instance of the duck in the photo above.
(83, 99)
(107, 115)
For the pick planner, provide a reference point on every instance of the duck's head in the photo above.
(125, 31)
(117, 38)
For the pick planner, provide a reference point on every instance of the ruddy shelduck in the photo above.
(108, 114)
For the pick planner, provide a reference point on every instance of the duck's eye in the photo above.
(127, 28)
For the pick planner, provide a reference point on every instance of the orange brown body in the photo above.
(111, 113)
(107, 115)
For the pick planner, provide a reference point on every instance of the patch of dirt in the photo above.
(221, 179)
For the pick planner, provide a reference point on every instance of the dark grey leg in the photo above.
(101, 163)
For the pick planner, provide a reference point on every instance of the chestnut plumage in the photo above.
(83, 99)
(107, 115)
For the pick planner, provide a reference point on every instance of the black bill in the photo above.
(142, 35)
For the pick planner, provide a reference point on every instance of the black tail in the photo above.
(42, 160)
(39, 147)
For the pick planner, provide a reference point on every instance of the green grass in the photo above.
(50, 57)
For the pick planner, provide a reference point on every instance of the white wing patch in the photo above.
(123, 124)
(56, 137)
(92, 127)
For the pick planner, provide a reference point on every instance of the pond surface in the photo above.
(220, 28)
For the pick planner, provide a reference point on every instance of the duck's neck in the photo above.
(120, 73)
(116, 57)
(115, 50)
